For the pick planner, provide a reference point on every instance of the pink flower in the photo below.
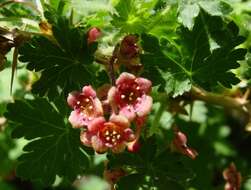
(131, 96)
(102, 135)
(93, 35)
(86, 107)
(179, 144)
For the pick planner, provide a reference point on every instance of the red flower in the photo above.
(232, 177)
(102, 135)
(131, 96)
(129, 48)
(93, 35)
(179, 143)
(86, 107)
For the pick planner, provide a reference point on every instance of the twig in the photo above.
(216, 99)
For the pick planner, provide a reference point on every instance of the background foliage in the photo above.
(184, 44)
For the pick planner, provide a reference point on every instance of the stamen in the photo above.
(137, 88)
(78, 102)
(90, 107)
(107, 138)
(138, 98)
(113, 140)
(107, 133)
(114, 133)
(123, 96)
(87, 100)
(131, 94)
(118, 136)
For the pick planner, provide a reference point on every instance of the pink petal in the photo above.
(144, 84)
(133, 146)
(72, 98)
(111, 98)
(124, 77)
(98, 145)
(120, 120)
(93, 34)
(88, 91)
(85, 138)
(98, 107)
(96, 124)
(77, 120)
(128, 112)
(111, 94)
(144, 106)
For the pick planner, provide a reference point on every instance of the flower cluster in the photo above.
(130, 102)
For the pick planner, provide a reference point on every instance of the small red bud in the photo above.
(93, 34)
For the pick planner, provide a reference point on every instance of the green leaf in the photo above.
(142, 182)
(162, 68)
(66, 65)
(191, 59)
(54, 148)
(189, 10)
(151, 169)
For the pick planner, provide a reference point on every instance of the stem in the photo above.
(111, 70)
(212, 98)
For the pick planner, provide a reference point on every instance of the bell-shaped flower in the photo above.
(103, 135)
(86, 107)
(179, 144)
(131, 96)
(233, 178)
(93, 34)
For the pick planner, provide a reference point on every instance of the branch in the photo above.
(221, 100)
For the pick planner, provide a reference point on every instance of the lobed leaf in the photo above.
(54, 147)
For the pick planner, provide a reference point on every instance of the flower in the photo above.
(232, 177)
(130, 95)
(86, 107)
(102, 135)
(179, 144)
(129, 47)
(93, 34)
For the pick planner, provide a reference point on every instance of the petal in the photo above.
(190, 152)
(120, 120)
(111, 94)
(98, 107)
(88, 91)
(98, 145)
(72, 98)
(128, 112)
(144, 84)
(119, 148)
(77, 120)
(124, 77)
(129, 135)
(96, 124)
(133, 146)
(111, 98)
(85, 138)
(144, 106)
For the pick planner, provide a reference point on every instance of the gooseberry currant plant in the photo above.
(142, 85)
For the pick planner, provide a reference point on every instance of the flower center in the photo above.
(111, 134)
(129, 93)
(86, 106)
